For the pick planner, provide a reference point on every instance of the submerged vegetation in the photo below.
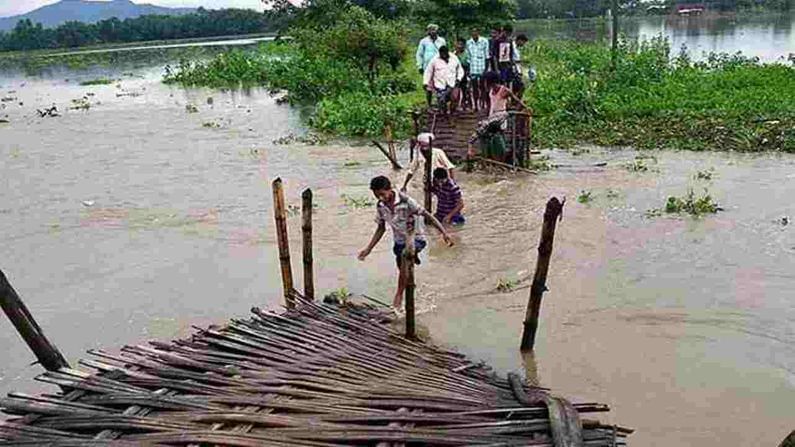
(650, 100)
(690, 203)
(98, 81)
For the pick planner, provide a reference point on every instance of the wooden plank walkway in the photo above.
(317, 375)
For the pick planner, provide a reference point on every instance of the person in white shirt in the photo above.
(441, 77)
(438, 159)
(428, 49)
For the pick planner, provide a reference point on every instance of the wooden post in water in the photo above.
(428, 177)
(551, 215)
(47, 354)
(415, 117)
(280, 214)
(306, 227)
(408, 268)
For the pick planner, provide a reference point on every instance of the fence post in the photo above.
(553, 211)
(280, 214)
(306, 227)
(408, 266)
(47, 354)
(428, 177)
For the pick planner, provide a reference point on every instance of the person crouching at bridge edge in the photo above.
(401, 213)
(449, 201)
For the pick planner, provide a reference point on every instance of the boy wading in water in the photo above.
(401, 213)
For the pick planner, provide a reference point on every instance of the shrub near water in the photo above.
(354, 70)
(727, 102)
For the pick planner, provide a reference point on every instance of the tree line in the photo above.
(203, 23)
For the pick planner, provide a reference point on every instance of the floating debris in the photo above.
(51, 112)
(190, 108)
(81, 104)
(88, 202)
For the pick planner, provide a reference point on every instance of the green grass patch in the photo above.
(99, 81)
(650, 100)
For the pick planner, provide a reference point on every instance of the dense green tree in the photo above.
(457, 16)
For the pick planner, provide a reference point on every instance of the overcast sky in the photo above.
(14, 7)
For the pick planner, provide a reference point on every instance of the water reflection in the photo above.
(768, 37)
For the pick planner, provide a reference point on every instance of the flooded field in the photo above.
(149, 210)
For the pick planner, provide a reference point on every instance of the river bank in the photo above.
(133, 220)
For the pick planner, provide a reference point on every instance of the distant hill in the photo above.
(88, 12)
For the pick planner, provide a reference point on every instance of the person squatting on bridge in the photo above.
(403, 214)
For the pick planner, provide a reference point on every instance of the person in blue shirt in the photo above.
(427, 51)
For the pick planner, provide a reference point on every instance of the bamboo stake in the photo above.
(553, 211)
(428, 177)
(46, 353)
(408, 266)
(395, 164)
(415, 117)
(389, 141)
(306, 215)
(280, 214)
(513, 141)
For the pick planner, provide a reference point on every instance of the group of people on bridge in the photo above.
(478, 74)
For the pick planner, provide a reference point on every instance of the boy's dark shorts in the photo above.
(397, 249)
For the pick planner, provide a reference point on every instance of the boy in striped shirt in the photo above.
(450, 202)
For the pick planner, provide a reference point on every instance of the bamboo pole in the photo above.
(513, 141)
(408, 266)
(390, 143)
(428, 177)
(415, 117)
(553, 211)
(46, 353)
(614, 36)
(280, 214)
(395, 164)
(306, 215)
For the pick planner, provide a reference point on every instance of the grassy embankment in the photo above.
(648, 101)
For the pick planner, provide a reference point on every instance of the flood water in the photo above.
(770, 37)
(136, 219)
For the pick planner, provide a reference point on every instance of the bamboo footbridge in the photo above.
(317, 375)
(312, 375)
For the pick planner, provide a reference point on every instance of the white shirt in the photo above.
(438, 160)
(440, 74)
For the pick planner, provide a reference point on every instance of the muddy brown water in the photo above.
(132, 220)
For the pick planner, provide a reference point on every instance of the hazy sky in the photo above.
(14, 7)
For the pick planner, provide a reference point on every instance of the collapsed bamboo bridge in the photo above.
(313, 375)
(317, 375)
